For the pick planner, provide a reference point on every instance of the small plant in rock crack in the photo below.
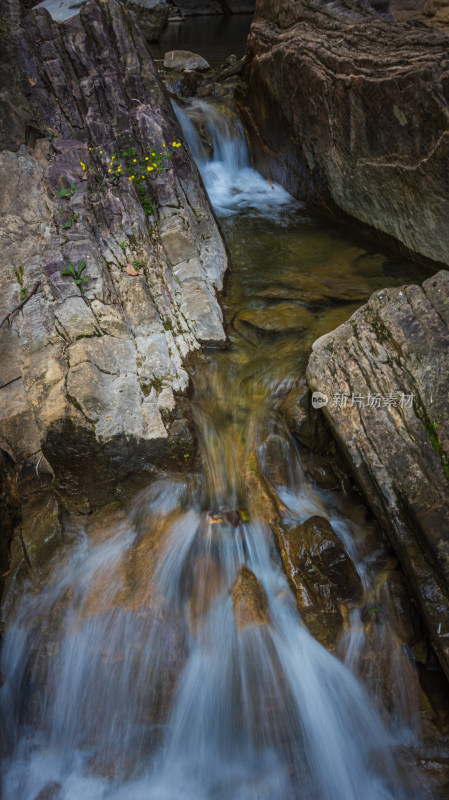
(23, 289)
(75, 273)
(71, 222)
(67, 192)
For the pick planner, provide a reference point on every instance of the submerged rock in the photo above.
(385, 374)
(51, 791)
(276, 318)
(348, 109)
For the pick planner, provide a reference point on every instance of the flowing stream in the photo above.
(164, 657)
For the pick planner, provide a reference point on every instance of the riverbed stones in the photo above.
(274, 319)
(348, 110)
(385, 374)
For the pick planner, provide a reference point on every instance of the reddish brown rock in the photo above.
(248, 600)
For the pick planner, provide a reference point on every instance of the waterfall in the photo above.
(217, 141)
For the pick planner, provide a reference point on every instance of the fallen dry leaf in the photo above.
(131, 271)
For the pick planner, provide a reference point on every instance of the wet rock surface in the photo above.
(248, 600)
(93, 374)
(385, 375)
(338, 104)
(321, 574)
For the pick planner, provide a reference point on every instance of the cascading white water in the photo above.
(217, 141)
(164, 657)
(264, 712)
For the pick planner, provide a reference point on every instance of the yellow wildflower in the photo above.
(83, 165)
(134, 160)
(146, 157)
(109, 170)
(150, 169)
(101, 152)
(131, 178)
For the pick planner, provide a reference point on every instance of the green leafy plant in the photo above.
(137, 264)
(71, 222)
(67, 192)
(75, 273)
(23, 289)
(122, 244)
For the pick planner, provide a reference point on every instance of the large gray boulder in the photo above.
(385, 377)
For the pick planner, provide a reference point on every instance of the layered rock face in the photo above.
(93, 373)
(385, 377)
(349, 110)
(152, 17)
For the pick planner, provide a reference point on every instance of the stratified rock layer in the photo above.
(385, 375)
(151, 16)
(90, 382)
(350, 110)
